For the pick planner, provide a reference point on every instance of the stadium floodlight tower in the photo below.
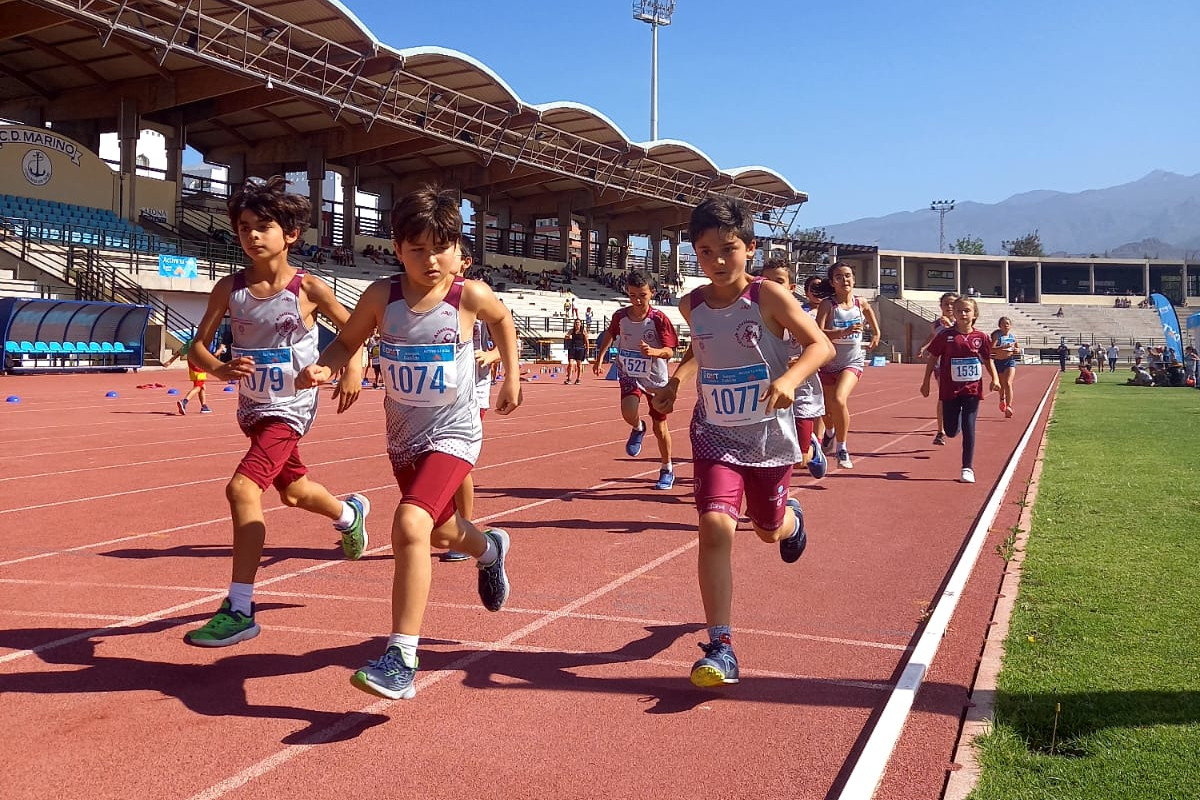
(943, 207)
(655, 13)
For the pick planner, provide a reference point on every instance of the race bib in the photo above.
(965, 370)
(731, 396)
(274, 377)
(848, 323)
(634, 364)
(422, 375)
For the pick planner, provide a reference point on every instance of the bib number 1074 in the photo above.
(415, 379)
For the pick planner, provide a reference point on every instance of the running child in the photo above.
(817, 289)
(1005, 351)
(273, 321)
(196, 375)
(645, 340)
(945, 320)
(376, 367)
(427, 315)
(743, 438)
(809, 405)
(842, 317)
(961, 354)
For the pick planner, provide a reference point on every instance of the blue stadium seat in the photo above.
(12, 347)
(119, 347)
(41, 347)
(82, 347)
(55, 347)
(68, 347)
(107, 347)
(26, 347)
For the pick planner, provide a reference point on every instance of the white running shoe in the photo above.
(968, 475)
(843, 458)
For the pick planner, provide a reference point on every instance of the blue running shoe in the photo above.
(493, 580)
(388, 676)
(718, 667)
(818, 464)
(633, 445)
(666, 479)
(791, 548)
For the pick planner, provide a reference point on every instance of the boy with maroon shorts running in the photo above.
(744, 442)
(273, 318)
(645, 341)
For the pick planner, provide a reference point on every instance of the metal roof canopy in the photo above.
(256, 79)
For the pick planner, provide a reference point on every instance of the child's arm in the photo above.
(218, 304)
(931, 356)
(479, 298)
(664, 399)
(349, 387)
(781, 311)
(368, 315)
(602, 348)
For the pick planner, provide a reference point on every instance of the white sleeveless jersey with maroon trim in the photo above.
(738, 357)
(271, 330)
(482, 340)
(430, 380)
(848, 351)
(655, 330)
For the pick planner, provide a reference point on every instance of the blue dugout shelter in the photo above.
(42, 335)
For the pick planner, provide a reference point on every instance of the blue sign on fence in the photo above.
(177, 266)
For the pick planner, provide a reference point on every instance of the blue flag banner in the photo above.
(177, 266)
(1193, 326)
(1170, 325)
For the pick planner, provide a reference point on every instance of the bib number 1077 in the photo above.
(734, 401)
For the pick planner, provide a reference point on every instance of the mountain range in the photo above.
(1157, 216)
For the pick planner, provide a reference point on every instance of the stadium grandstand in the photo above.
(561, 201)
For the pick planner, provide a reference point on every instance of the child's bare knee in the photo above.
(241, 489)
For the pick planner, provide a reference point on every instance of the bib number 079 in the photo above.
(265, 379)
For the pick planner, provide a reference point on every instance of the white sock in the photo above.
(347, 518)
(407, 645)
(490, 554)
(668, 467)
(241, 596)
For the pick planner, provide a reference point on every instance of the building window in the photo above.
(941, 274)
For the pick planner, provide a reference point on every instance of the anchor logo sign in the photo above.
(36, 167)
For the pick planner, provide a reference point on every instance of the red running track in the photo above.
(116, 542)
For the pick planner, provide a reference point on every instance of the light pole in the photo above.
(655, 13)
(943, 207)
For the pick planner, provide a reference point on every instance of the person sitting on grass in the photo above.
(1086, 375)
(1141, 376)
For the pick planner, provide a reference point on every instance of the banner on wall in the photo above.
(1170, 324)
(177, 266)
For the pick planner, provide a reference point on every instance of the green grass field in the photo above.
(1099, 696)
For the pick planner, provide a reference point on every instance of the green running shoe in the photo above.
(225, 628)
(354, 538)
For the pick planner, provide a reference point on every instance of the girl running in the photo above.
(959, 354)
(1005, 351)
(842, 317)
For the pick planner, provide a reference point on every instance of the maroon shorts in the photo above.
(430, 482)
(630, 388)
(721, 487)
(274, 456)
(831, 377)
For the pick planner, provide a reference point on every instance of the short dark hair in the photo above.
(778, 262)
(270, 199)
(636, 279)
(724, 214)
(427, 210)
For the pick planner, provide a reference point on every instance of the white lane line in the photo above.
(353, 718)
(873, 760)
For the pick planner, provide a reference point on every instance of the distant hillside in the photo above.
(1158, 215)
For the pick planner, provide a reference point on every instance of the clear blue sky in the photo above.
(871, 107)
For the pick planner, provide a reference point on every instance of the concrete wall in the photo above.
(37, 162)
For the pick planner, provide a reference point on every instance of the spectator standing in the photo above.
(1114, 353)
(1063, 353)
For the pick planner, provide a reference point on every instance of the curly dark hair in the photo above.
(270, 199)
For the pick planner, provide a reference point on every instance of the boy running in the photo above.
(273, 318)
(645, 340)
(196, 375)
(426, 316)
(743, 438)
